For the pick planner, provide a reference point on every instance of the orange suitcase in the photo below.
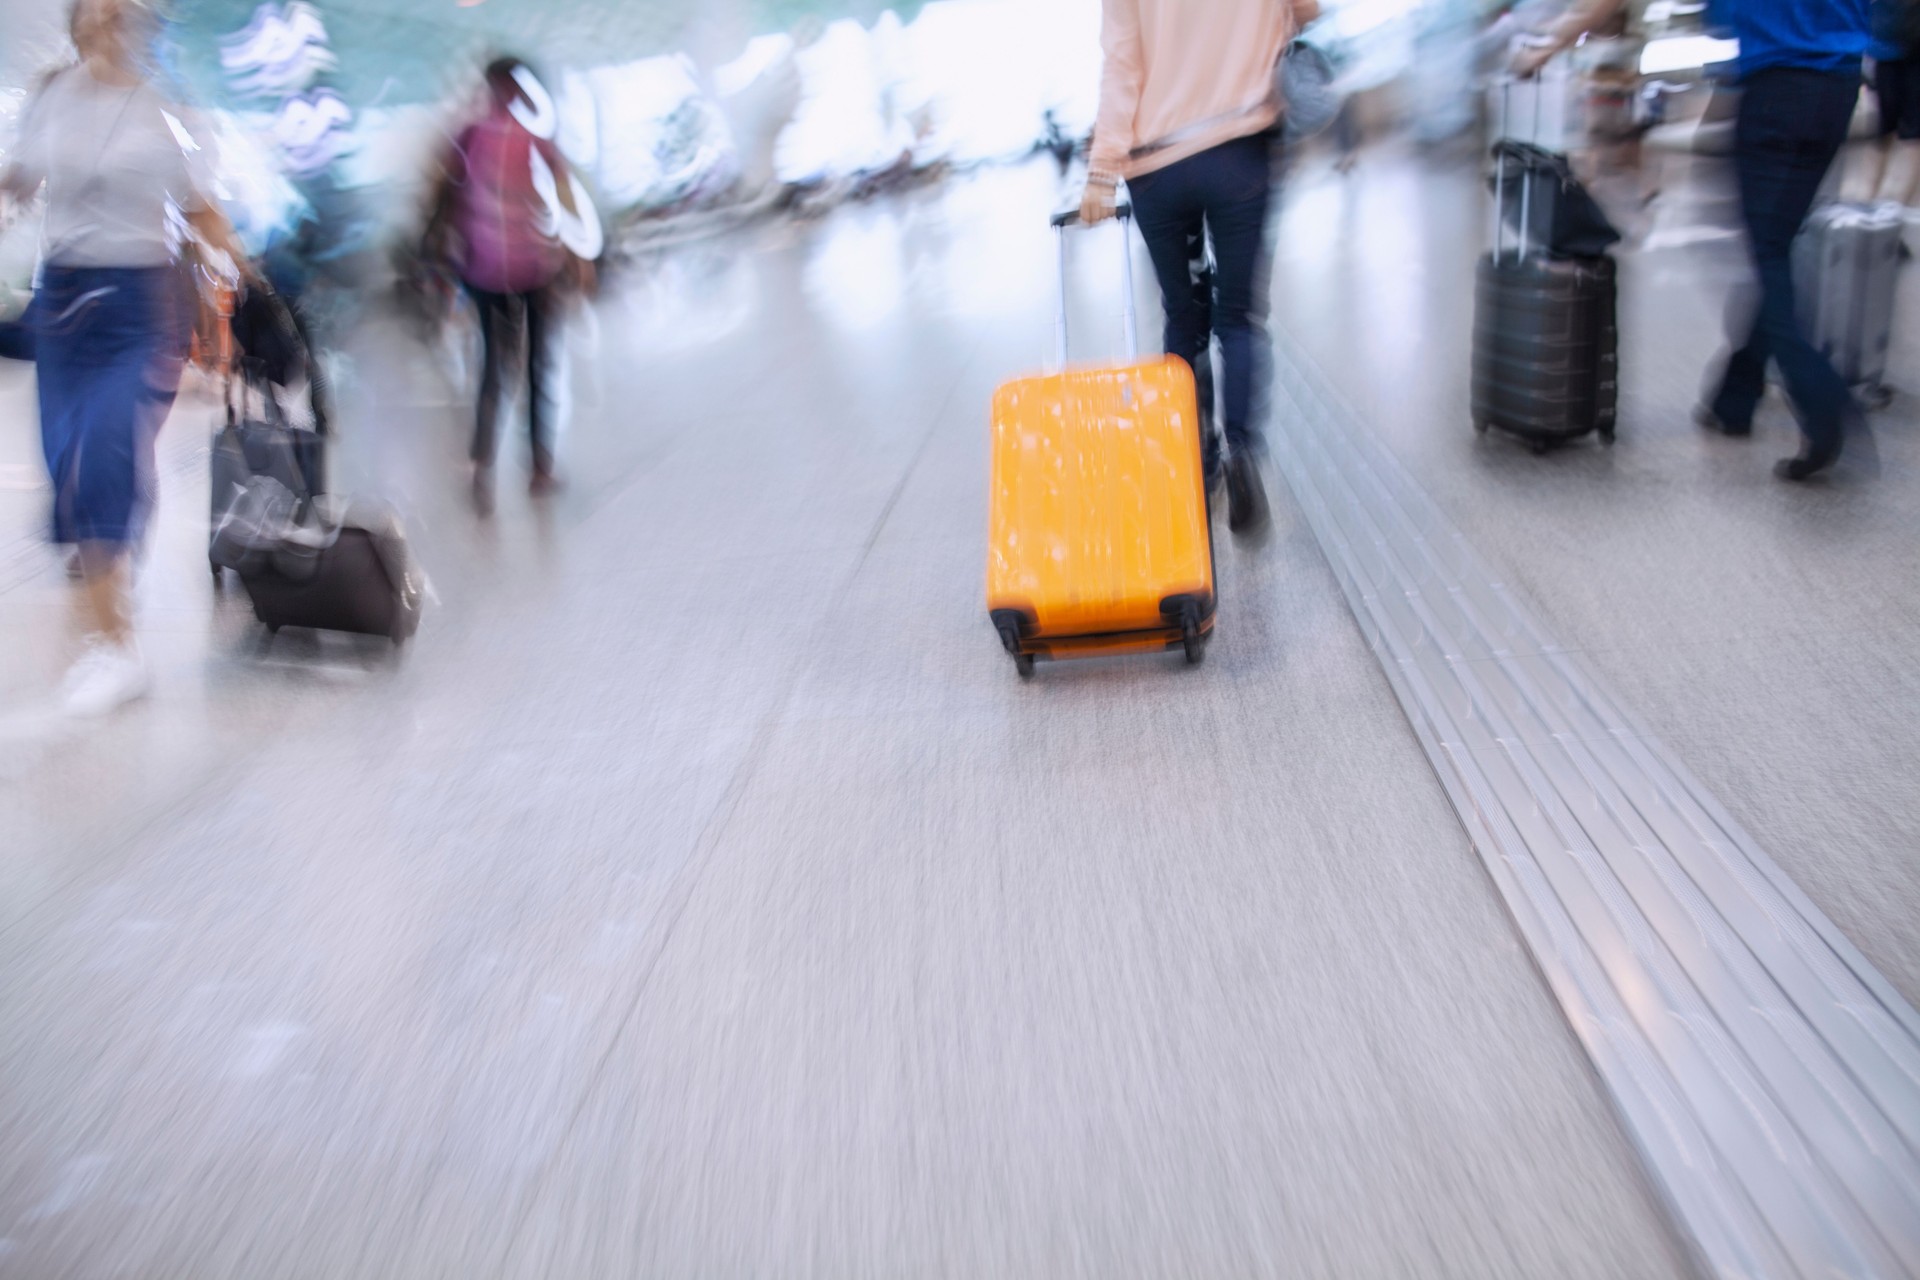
(1098, 537)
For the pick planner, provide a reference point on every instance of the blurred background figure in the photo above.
(1894, 158)
(505, 188)
(1799, 71)
(111, 317)
(1187, 113)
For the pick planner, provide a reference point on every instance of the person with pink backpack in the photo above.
(505, 188)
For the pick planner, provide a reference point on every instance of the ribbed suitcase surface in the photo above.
(1545, 347)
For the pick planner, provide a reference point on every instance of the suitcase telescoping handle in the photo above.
(1500, 176)
(1071, 218)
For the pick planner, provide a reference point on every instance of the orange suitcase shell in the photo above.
(1098, 537)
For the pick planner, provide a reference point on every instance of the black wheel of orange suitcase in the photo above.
(1023, 663)
(1481, 426)
(1194, 643)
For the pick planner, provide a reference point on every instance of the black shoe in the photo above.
(1799, 467)
(1246, 497)
(1807, 463)
(1711, 421)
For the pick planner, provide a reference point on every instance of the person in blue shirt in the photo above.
(1799, 72)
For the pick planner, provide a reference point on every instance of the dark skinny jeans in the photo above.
(1220, 195)
(502, 315)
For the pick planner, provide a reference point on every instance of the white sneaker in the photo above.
(106, 676)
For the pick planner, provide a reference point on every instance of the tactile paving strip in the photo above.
(1768, 1074)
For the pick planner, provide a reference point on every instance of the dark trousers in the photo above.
(1792, 123)
(1219, 196)
(502, 318)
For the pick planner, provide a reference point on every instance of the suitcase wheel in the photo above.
(1606, 435)
(1009, 623)
(1480, 426)
(1191, 638)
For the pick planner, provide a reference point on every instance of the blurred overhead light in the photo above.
(1685, 53)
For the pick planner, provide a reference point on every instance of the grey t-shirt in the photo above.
(114, 158)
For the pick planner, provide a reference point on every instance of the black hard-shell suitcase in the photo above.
(1546, 361)
(1546, 352)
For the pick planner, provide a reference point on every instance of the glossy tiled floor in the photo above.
(703, 895)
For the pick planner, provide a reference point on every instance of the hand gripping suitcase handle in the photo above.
(1071, 218)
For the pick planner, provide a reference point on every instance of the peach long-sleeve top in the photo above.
(1180, 76)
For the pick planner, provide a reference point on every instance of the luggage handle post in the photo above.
(1500, 173)
(1123, 212)
(1526, 183)
(1060, 291)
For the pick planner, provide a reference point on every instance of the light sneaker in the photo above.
(106, 676)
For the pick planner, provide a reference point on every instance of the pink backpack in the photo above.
(506, 227)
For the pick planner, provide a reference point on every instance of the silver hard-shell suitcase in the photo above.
(1844, 263)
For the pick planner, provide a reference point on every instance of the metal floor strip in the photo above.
(1768, 1074)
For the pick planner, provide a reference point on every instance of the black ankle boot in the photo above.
(1246, 496)
(1812, 459)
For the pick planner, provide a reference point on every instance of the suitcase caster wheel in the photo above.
(1023, 663)
(1481, 426)
(1191, 638)
(1606, 437)
(218, 581)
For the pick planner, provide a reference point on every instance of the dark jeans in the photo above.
(1791, 125)
(1221, 196)
(502, 316)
